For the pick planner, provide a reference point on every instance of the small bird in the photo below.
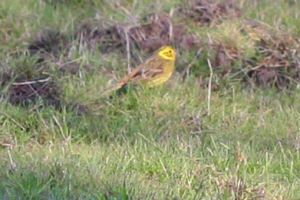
(154, 71)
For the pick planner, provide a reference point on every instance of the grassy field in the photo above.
(238, 139)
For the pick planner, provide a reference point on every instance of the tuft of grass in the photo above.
(230, 34)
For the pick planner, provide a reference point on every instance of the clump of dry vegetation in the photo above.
(278, 55)
(30, 91)
(149, 35)
(209, 13)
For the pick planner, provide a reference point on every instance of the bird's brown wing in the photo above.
(147, 70)
(139, 71)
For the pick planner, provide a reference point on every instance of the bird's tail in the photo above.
(116, 87)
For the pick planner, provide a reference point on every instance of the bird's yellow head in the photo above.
(167, 52)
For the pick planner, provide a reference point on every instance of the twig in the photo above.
(187, 71)
(170, 31)
(34, 92)
(32, 82)
(209, 87)
(128, 49)
(13, 120)
(6, 145)
(171, 25)
(13, 165)
(60, 127)
(209, 39)
(119, 6)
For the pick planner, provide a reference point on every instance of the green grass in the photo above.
(158, 143)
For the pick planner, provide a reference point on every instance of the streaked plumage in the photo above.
(154, 71)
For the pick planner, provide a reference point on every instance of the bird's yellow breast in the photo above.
(163, 77)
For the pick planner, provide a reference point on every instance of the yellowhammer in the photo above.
(154, 71)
